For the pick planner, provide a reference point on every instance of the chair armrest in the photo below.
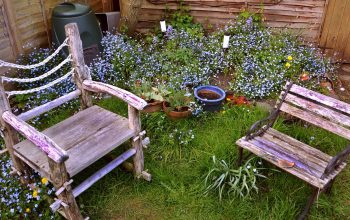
(336, 161)
(124, 95)
(45, 144)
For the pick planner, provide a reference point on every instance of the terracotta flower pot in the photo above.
(183, 113)
(152, 106)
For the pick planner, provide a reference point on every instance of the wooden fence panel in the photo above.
(6, 51)
(30, 23)
(301, 16)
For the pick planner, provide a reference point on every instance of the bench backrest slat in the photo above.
(315, 119)
(321, 110)
(322, 99)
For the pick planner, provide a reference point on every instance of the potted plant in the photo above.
(177, 104)
(153, 95)
(210, 96)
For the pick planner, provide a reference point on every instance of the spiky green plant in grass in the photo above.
(223, 179)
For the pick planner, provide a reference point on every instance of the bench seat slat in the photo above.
(325, 100)
(261, 151)
(302, 155)
(331, 114)
(302, 147)
(316, 120)
(272, 147)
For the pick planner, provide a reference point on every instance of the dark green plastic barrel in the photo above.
(85, 18)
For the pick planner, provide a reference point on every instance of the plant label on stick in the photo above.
(226, 42)
(163, 26)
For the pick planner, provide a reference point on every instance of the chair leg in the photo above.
(240, 156)
(59, 177)
(307, 208)
(135, 124)
(11, 138)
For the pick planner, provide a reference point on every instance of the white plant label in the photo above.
(163, 26)
(226, 42)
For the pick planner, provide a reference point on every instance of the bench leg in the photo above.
(329, 187)
(240, 156)
(309, 203)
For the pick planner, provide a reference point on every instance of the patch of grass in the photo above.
(176, 191)
(178, 171)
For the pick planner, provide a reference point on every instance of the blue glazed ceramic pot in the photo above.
(210, 97)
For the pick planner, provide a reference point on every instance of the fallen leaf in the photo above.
(285, 164)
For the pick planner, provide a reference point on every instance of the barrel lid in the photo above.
(66, 10)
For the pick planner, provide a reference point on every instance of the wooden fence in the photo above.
(26, 24)
(302, 16)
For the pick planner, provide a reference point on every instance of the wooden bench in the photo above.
(303, 161)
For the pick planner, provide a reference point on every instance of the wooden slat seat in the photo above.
(87, 136)
(309, 163)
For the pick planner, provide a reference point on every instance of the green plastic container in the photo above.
(90, 32)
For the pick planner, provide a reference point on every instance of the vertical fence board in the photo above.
(336, 30)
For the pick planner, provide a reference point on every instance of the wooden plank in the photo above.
(316, 120)
(97, 146)
(323, 99)
(332, 115)
(279, 153)
(86, 136)
(49, 106)
(302, 155)
(122, 94)
(266, 154)
(300, 145)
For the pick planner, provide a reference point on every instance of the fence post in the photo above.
(81, 70)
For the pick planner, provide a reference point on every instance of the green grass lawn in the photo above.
(176, 191)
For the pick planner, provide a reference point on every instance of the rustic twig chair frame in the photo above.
(62, 151)
(313, 166)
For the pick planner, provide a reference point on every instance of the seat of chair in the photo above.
(276, 147)
(86, 136)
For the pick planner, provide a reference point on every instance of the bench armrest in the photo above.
(124, 95)
(261, 126)
(336, 161)
(45, 144)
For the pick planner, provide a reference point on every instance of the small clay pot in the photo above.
(152, 106)
(183, 113)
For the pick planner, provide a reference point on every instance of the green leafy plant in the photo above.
(224, 180)
(145, 90)
(179, 99)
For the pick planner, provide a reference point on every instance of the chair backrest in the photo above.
(317, 109)
(79, 72)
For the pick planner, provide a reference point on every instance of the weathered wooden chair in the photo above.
(305, 162)
(62, 151)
